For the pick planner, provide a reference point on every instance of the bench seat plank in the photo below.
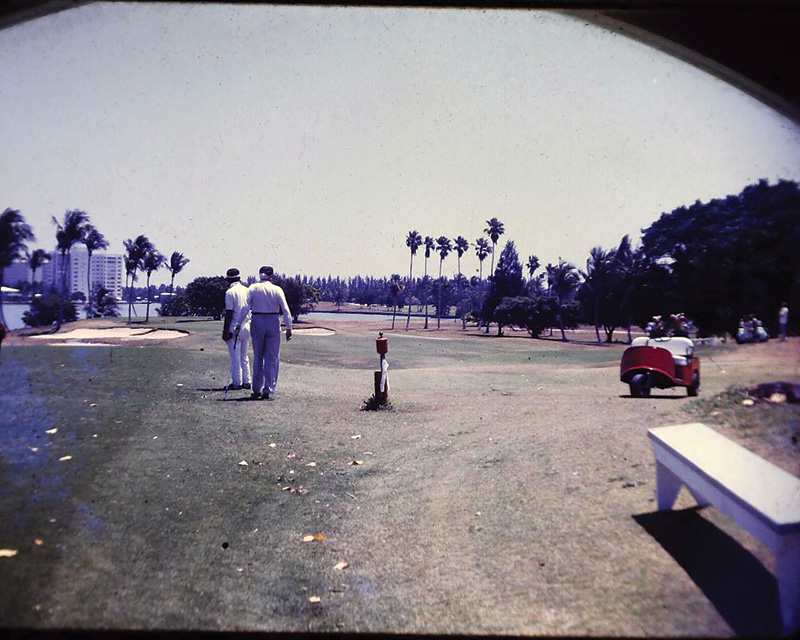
(758, 485)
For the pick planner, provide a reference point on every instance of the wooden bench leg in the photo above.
(667, 487)
(788, 565)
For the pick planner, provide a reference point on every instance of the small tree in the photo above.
(47, 309)
(563, 280)
(14, 234)
(507, 282)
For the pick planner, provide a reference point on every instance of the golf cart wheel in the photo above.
(695, 386)
(640, 385)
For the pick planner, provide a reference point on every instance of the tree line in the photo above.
(714, 262)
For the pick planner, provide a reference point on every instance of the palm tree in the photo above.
(413, 242)
(14, 234)
(532, 265)
(137, 249)
(152, 261)
(461, 246)
(177, 261)
(494, 230)
(35, 260)
(562, 280)
(430, 243)
(443, 247)
(395, 289)
(482, 250)
(598, 278)
(68, 234)
(93, 240)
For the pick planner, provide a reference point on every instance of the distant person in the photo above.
(783, 320)
(266, 302)
(235, 301)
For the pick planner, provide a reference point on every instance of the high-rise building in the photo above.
(108, 270)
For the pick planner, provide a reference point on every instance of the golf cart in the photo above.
(751, 330)
(663, 363)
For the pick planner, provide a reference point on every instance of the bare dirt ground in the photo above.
(509, 490)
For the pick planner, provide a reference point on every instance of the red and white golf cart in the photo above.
(662, 363)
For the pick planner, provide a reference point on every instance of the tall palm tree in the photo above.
(598, 278)
(151, 262)
(35, 261)
(461, 246)
(443, 248)
(68, 234)
(429, 243)
(482, 250)
(413, 242)
(93, 240)
(494, 230)
(136, 251)
(562, 280)
(14, 234)
(177, 261)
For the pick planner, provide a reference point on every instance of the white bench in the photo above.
(754, 493)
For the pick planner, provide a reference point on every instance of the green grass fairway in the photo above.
(498, 496)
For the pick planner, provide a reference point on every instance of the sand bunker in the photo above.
(314, 331)
(118, 333)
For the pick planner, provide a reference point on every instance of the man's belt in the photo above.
(266, 313)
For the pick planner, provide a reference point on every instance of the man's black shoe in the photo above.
(246, 385)
(255, 396)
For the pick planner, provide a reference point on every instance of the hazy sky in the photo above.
(315, 138)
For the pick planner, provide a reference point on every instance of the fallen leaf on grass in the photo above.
(34, 449)
(65, 458)
(52, 431)
(748, 402)
(291, 455)
(243, 463)
(356, 462)
(273, 445)
(94, 404)
(355, 437)
(342, 565)
(368, 453)
(301, 490)
(311, 464)
(8, 553)
(262, 464)
(318, 537)
(38, 542)
(315, 599)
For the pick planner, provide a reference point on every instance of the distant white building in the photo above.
(107, 269)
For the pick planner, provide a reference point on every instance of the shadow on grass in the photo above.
(744, 593)
(652, 397)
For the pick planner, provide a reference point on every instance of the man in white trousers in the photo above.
(266, 303)
(235, 300)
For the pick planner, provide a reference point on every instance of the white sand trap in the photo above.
(78, 343)
(315, 331)
(122, 333)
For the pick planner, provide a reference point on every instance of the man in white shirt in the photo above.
(235, 300)
(266, 302)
